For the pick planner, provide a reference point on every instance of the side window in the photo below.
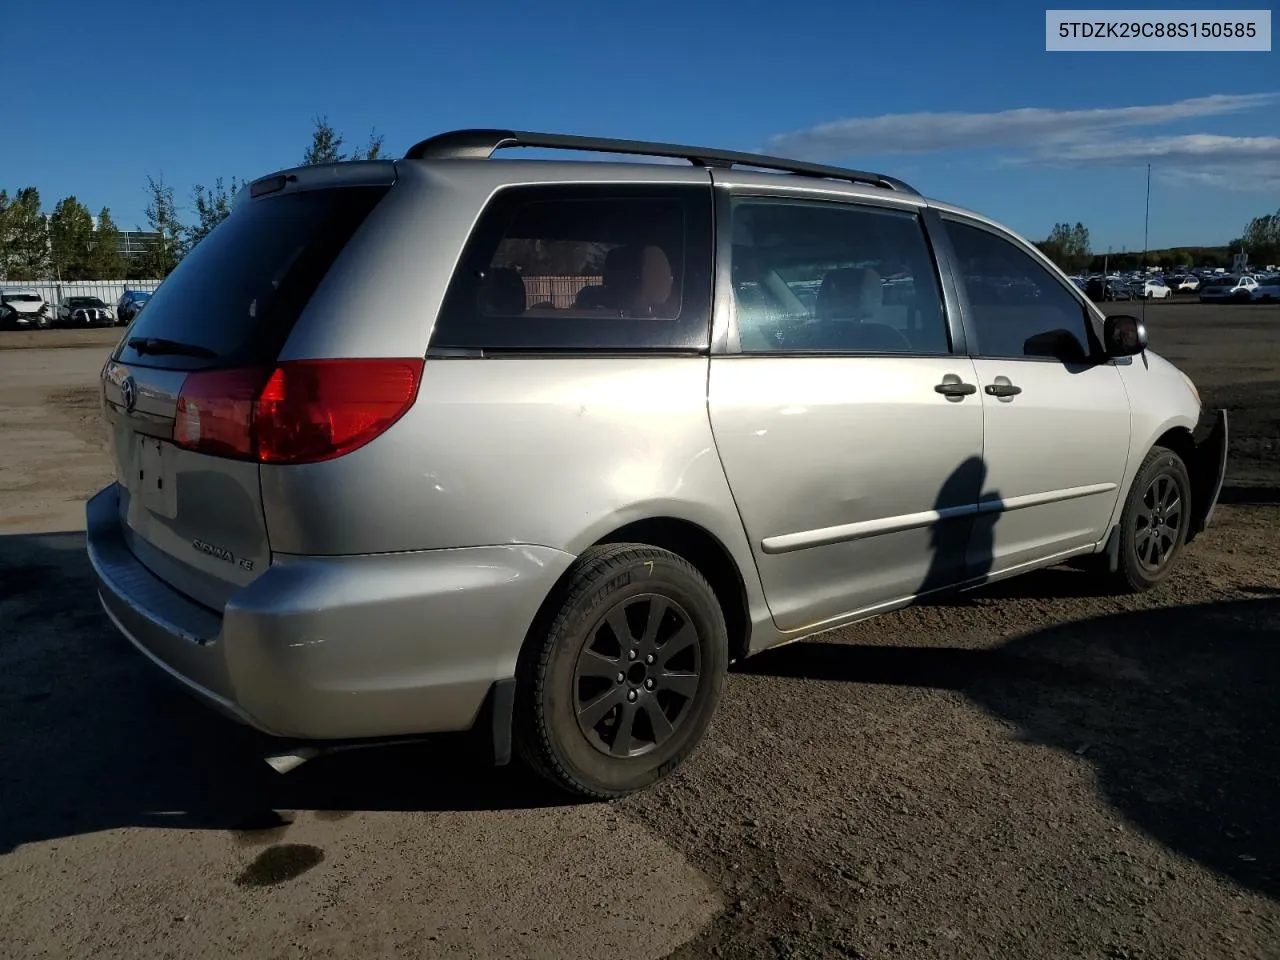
(1017, 308)
(821, 277)
(584, 267)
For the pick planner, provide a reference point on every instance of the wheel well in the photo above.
(712, 560)
(1201, 473)
(1179, 441)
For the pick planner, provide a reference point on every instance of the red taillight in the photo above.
(320, 409)
(302, 411)
(215, 412)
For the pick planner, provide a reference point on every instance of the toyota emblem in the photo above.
(129, 389)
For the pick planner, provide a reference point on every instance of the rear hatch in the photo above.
(182, 389)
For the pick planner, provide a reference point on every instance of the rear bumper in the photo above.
(335, 648)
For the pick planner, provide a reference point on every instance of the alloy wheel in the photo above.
(637, 675)
(1159, 522)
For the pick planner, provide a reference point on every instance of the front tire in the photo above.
(1153, 525)
(618, 682)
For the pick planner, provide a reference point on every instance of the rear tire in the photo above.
(1153, 525)
(602, 715)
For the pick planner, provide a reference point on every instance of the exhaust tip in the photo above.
(290, 760)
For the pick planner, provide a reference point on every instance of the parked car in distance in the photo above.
(387, 469)
(130, 304)
(84, 312)
(1154, 290)
(23, 310)
(1101, 290)
(1267, 290)
(1228, 289)
(1188, 284)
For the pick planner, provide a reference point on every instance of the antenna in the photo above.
(1146, 233)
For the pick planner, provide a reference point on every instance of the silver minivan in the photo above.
(538, 448)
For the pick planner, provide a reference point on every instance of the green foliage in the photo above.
(106, 262)
(212, 207)
(372, 150)
(326, 145)
(162, 218)
(1261, 239)
(71, 240)
(1067, 246)
(1168, 259)
(24, 238)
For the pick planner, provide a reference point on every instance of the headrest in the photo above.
(502, 292)
(638, 279)
(853, 293)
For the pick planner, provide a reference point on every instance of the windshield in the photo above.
(85, 302)
(234, 298)
(21, 298)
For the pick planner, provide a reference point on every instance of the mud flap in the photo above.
(1208, 470)
(502, 700)
(1112, 550)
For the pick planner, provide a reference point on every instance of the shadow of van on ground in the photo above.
(1175, 708)
(94, 737)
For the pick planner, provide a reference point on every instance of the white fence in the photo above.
(109, 291)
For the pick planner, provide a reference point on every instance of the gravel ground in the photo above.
(1027, 771)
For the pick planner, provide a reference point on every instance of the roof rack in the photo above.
(481, 144)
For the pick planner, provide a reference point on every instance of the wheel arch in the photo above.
(1198, 457)
(689, 540)
(1179, 440)
(709, 556)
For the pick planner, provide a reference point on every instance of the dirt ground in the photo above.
(1029, 771)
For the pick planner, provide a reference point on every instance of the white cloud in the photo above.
(1245, 163)
(1026, 127)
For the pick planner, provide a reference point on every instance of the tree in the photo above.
(24, 237)
(212, 207)
(71, 240)
(106, 261)
(373, 150)
(163, 254)
(1261, 239)
(326, 145)
(1068, 246)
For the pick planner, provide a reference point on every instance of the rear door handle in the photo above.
(953, 388)
(1003, 388)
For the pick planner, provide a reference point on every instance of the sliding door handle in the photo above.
(1003, 389)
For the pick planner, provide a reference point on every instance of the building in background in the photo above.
(134, 243)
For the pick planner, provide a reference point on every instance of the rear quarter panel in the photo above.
(557, 452)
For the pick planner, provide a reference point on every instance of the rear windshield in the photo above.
(234, 298)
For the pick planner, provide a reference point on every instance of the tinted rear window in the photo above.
(584, 267)
(239, 292)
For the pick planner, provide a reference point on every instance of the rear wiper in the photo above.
(161, 345)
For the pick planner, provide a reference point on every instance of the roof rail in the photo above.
(481, 144)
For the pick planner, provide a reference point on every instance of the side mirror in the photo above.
(1124, 336)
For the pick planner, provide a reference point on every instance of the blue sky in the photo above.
(960, 99)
